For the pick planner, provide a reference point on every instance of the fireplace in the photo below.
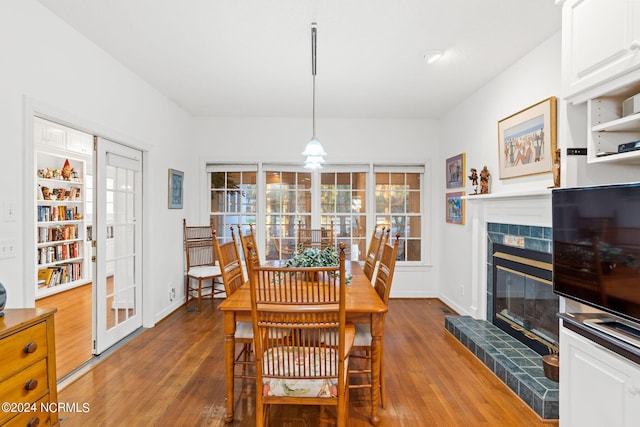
(524, 305)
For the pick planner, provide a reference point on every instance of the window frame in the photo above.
(371, 216)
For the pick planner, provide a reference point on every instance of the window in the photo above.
(351, 199)
(233, 200)
(287, 204)
(398, 204)
(343, 205)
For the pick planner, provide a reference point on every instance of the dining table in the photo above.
(362, 305)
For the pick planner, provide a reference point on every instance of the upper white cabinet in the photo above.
(601, 41)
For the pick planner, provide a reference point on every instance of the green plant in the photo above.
(311, 257)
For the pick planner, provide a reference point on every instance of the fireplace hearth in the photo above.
(524, 305)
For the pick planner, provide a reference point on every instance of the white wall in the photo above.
(345, 140)
(49, 68)
(472, 128)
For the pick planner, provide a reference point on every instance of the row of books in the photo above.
(55, 234)
(49, 254)
(57, 213)
(63, 273)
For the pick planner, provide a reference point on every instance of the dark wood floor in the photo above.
(173, 375)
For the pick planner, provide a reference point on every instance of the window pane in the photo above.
(413, 250)
(218, 180)
(413, 202)
(413, 181)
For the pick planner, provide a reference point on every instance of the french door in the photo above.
(118, 243)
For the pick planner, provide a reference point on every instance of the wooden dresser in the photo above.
(28, 368)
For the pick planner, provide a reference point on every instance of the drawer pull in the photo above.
(33, 422)
(31, 347)
(31, 385)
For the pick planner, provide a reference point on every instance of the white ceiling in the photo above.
(253, 57)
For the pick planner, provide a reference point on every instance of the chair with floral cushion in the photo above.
(373, 252)
(302, 341)
(362, 342)
(233, 278)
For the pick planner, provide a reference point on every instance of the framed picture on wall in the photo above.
(454, 170)
(455, 207)
(527, 140)
(176, 179)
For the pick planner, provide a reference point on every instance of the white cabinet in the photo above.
(597, 387)
(61, 246)
(601, 41)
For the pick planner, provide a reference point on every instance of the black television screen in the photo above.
(596, 247)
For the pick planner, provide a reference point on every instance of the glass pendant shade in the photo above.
(314, 148)
(314, 162)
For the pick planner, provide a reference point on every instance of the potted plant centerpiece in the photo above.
(312, 257)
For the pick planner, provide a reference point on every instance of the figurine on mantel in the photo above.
(484, 180)
(474, 180)
(555, 168)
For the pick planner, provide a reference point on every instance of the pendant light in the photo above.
(314, 151)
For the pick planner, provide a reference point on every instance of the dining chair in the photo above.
(362, 342)
(302, 341)
(373, 252)
(201, 264)
(245, 239)
(317, 238)
(233, 278)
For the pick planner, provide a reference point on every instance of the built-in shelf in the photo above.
(625, 124)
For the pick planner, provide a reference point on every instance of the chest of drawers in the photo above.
(28, 368)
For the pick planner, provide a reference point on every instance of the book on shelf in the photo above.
(44, 276)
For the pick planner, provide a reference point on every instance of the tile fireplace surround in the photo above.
(525, 219)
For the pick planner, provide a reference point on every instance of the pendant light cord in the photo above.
(313, 73)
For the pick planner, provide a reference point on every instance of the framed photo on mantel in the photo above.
(527, 140)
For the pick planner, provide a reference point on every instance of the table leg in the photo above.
(377, 328)
(229, 356)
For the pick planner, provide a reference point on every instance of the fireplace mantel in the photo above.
(531, 208)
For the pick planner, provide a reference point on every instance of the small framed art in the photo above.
(455, 168)
(455, 207)
(527, 140)
(176, 179)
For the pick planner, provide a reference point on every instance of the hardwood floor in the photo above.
(73, 324)
(173, 375)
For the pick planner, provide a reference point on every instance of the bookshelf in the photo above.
(62, 244)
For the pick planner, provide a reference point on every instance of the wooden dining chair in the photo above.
(245, 239)
(201, 265)
(302, 341)
(317, 238)
(233, 278)
(373, 251)
(362, 342)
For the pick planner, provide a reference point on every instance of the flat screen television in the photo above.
(596, 247)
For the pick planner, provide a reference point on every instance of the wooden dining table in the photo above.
(363, 305)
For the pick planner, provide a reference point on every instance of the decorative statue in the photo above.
(474, 180)
(556, 170)
(66, 170)
(484, 180)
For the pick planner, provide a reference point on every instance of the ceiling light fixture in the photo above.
(433, 55)
(314, 151)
